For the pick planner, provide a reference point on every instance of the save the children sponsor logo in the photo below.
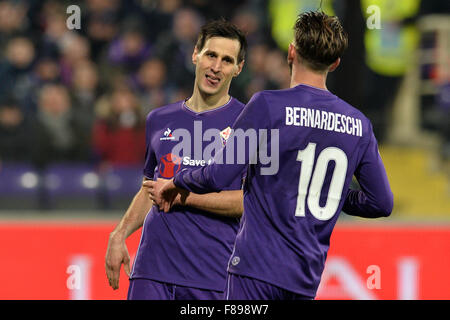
(169, 165)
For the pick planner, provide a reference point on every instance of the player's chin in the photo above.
(210, 90)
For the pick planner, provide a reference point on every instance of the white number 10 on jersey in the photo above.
(311, 197)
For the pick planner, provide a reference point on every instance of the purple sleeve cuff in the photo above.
(193, 181)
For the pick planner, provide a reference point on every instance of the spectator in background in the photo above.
(390, 51)
(215, 9)
(57, 134)
(253, 77)
(175, 47)
(74, 49)
(159, 16)
(14, 133)
(15, 68)
(249, 20)
(85, 89)
(277, 69)
(119, 136)
(256, 72)
(12, 20)
(151, 84)
(347, 81)
(102, 20)
(130, 49)
(54, 28)
(46, 70)
(440, 76)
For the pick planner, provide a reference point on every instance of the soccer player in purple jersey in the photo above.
(183, 254)
(321, 142)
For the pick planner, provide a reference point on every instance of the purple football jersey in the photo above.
(320, 143)
(186, 246)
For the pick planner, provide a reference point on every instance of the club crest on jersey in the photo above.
(169, 165)
(167, 135)
(225, 134)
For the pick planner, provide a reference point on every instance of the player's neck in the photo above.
(201, 102)
(302, 75)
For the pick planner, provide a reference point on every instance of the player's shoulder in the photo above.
(353, 111)
(266, 101)
(273, 95)
(164, 111)
(235, 103)
(259, 96)
(266, 93)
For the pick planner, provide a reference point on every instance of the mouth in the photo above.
(212, 80)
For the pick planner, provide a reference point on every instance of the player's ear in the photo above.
(194, 55)
(291, 53)
(334, 65)
(240, 66)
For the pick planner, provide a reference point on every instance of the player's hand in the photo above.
(165, 194)
(116, 255)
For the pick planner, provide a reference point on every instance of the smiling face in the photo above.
(216, 65)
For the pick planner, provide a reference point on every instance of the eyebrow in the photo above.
(225, 57)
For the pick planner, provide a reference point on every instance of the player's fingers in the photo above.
(166, 206)
(152, 198)
(108, 268)
(114, 280)
(148, 185)
(113, 273)
(155, 200)
(110, 276)
(152, 193)
(111, 282)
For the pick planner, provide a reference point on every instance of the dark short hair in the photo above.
(225, 29)
(319, 39)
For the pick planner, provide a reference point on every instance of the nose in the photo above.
(216, 66)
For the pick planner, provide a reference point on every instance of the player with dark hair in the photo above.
(288, 218)
(183, 254)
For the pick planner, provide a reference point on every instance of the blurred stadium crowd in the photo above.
(82, 95)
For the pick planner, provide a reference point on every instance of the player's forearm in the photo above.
(211, 178)
(224, 203)
(192, 181)
(375, 199)
(134, 216)
(358, 203)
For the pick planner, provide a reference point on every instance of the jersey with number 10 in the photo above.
(320, 143)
